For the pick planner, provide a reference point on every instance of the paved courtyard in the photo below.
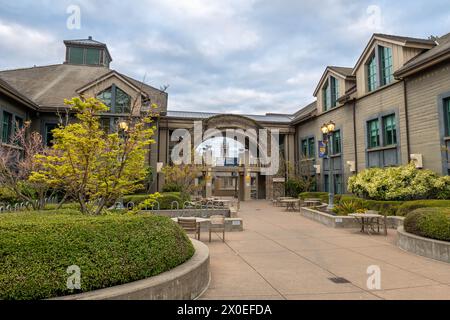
(282, 255)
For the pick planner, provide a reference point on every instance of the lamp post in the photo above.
(328, 129)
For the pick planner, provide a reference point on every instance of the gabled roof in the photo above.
(5, 88)
(399, 40)
(305, 112)
(435, 55)
(343, 72)
(48, 86)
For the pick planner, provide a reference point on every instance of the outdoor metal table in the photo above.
(369, 221)
(290, 204)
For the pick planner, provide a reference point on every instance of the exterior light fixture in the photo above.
(328, 129)
(123, 125)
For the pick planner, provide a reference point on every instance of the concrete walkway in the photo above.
(281, 255)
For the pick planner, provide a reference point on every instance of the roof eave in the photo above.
(407, 71)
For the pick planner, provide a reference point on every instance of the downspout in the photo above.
(354, 136)
(408, 147)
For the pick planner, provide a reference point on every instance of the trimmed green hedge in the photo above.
(409, 206)
(37, 248)
(165, 201)
(431, 223)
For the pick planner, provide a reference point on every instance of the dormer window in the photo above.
(330, 93)
(372, 73)
(386, 66)
(87, 52)
(379, 68)
(116, 99)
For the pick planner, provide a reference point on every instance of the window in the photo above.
(389, 130)
(311, 147)
(447, 116)
(76, 55)
(330, 93)
(105, 124)
(372, 73)
(7, 126)
(336, 142)
(49, 134)
(385, 65)
(92, 56)
(304, 148)
(106, 97)
(116, 99)
(123, 102)
(326, 94)
(308, 148)
(334, 91)
(337, 181)
(373, 134)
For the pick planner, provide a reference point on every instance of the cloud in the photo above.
(18, 41)
(240, 56)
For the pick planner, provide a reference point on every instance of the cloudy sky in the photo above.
(241, 56)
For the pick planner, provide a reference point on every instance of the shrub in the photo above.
(165, 199)
(293, 187)
(36, 249)
(409, 206)
(348, 206)
(7, 196)
(135, 198)
(399, 183)
(431, 223)
(172, 187)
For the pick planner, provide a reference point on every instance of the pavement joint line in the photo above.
(321, 267)
(246, 262)
(401, 268)
(379, 259)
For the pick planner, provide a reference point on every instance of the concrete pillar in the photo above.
(247, 184)
(208, 184)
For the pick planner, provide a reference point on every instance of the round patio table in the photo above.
(369, 221)
(290, 204)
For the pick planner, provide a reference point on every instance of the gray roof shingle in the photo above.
(48, 86)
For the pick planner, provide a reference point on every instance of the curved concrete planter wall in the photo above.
(185, 282)
(430, 248)
(343, 221)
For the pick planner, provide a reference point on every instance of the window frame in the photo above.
(333, 145)
(7, 139)
(389, 133)
(308, 144)
(113, 108)
(372, 66)
(370, 130)
(389, 65)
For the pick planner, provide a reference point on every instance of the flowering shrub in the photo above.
(399, 183)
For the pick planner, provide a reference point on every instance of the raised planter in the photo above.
(343, 221)
(185, 282)
(200, 213)
(430, 248)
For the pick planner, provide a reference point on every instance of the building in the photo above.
(392, 107)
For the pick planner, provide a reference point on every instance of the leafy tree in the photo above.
(17, 164)
(94, 167)
(182, 178)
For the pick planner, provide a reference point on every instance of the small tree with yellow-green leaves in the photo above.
(95, 167)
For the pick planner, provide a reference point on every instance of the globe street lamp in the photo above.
(328, 129)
